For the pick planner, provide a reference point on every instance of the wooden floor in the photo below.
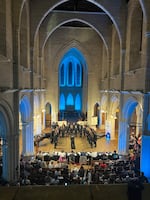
(81, 145)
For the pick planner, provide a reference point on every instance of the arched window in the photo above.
(62, 75)
(78, 75)
(70, 101)
(70, 81)
(78, 102)
(62, 102)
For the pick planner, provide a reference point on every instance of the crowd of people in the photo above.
(60, 169)
(72, 130)
(63, 168)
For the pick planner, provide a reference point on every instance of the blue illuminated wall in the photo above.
(77, 102)
(62, 102)
(70, 73)
(145, 155)
(25, 109)
(70, 101)
(2, 125)
(71, 80)
(3, 131)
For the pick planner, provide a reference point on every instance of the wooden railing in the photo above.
(72, 192)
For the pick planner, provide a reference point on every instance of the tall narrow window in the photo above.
(62, 75)
(78, 102)
(62, 102)
(78, 76)
(70, 74)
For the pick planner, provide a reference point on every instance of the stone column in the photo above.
(112, 133)
(5, 160)
(123, 137)
(27, 138)
(43, 119)
(10, 148)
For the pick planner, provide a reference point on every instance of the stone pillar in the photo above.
(139, 122)
(27, 138)
(123, 138)
(39, 124)
(43, 119)
(5, 160)
(112, 133)
(145, 146)
(11, 158)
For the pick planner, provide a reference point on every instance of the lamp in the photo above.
(3, 142)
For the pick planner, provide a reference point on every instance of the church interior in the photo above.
(74, 78)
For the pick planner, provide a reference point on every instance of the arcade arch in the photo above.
(27, 126)
(7, 140)
(130, 107)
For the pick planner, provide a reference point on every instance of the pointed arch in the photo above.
(78, 75)
(78, 102)
(62, 102)
(124, 130)
(6, 133)
(62, 75)
(70, 101)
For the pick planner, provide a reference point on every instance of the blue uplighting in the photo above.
(70, 72)
(25, 109)
(78, 102)
(62, 102)
(70, 100)
(145, 156)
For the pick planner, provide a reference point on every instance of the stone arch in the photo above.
(104, 6)
(124, 128)
(6, 127)
(145, 9)
(134, 36)
(75, 43)
(72, 51)
(23, 35)
(80, 20)
(27, 126)
(115, 55)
